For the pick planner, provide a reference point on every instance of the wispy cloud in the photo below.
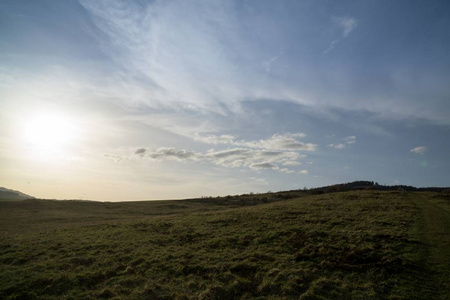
(167, 55)
(345, 25)
(177, 49)
(347, 142)
(216, 139)
(282, 142)
(419, 150)
(280, 152)
(350, 139)
(168, 154)
(263, 165)
(275, 153)
(337, 146)
(271, 61)
(287, 142)
(234, 157)
(237, 157)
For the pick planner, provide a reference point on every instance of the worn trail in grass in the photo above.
(434, 233)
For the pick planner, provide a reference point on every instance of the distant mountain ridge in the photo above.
(13, 195)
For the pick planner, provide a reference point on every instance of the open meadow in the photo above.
(348, 245)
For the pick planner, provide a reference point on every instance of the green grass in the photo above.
(433, 230)
(353, 245)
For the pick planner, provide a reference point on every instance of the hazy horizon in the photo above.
(133, 100)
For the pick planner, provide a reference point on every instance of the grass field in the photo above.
(352, 245)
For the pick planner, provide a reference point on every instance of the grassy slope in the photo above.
(355, 245)
(21, 217)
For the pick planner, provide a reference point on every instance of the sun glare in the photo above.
(49, 134)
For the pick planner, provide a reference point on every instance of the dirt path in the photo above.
(434, 234)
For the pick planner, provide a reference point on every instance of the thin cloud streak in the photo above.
(346, 25)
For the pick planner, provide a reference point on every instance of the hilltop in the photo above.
(13, 195)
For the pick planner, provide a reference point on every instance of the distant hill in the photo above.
(370, 185)
(13, 195)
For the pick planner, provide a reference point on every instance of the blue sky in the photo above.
(128, 100)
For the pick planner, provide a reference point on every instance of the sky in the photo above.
(140, 100)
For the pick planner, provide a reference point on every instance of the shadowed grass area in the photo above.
(353, 245)
(433, 229)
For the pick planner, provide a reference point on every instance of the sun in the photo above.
(49, 133)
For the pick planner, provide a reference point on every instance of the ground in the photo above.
(348, 245)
